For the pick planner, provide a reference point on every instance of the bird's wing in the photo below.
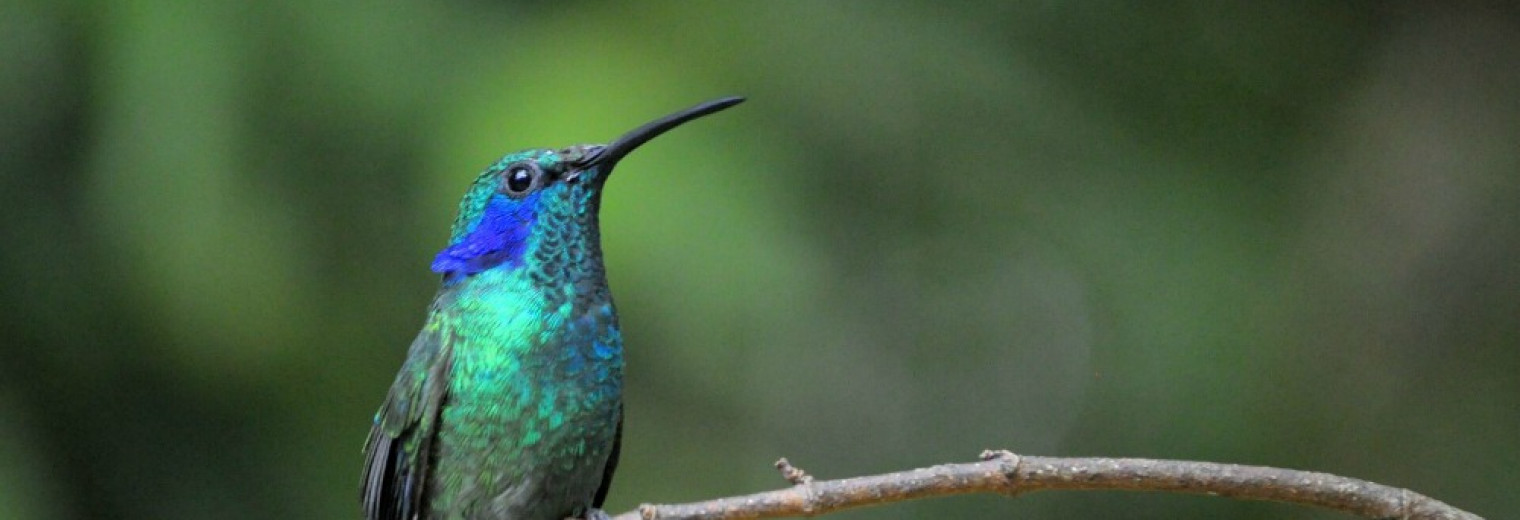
(397, 453)
(612, 461)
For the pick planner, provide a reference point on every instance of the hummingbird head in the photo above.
(541, 205)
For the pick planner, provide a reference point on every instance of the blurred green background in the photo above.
(1282, 234)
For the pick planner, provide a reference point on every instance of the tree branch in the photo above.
(1009, 474)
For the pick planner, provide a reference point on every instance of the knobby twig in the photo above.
(793, 474)
(1009, 474)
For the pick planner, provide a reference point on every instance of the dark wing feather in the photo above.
(612, 461)
(400, 442)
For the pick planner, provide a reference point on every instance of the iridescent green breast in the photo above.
(533, 403)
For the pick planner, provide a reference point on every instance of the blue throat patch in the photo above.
(500, 237)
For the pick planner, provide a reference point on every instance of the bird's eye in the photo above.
(520, 179)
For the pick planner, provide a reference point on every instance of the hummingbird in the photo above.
(509, 404)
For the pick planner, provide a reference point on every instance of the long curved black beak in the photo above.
(609, 155)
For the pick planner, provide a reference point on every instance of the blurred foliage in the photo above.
(1275, 233)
